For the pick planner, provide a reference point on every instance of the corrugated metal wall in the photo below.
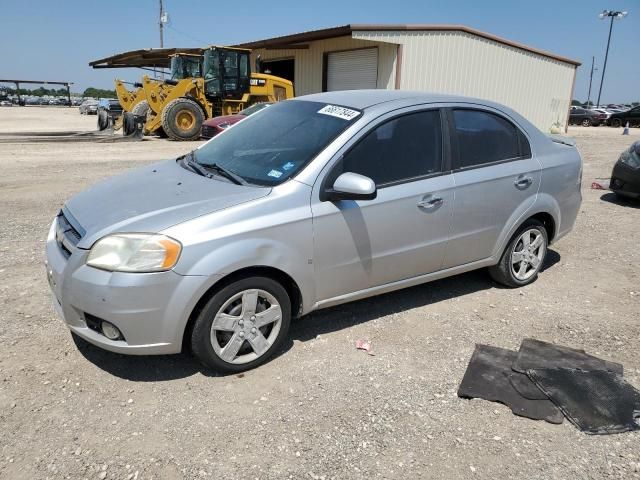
(453, 62)
(308, 63)
(537, 87)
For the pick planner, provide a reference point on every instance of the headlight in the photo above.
(631, 157)
(135, 252)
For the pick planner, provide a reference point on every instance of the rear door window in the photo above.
(482, 137)
(400, 149)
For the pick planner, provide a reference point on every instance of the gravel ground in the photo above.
(321, 409)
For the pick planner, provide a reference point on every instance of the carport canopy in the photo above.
(146, 58)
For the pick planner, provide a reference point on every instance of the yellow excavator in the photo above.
(219, 82)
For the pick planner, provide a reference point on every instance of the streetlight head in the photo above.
(605, 13)
(622, 14)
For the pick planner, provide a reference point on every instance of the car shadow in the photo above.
(621, 201)
(159, 368)
(349, 314)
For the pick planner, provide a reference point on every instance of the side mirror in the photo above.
(351, 186)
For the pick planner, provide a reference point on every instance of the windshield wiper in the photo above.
(190, 160)
(237, 179)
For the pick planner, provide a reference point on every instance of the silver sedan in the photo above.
(314, 202)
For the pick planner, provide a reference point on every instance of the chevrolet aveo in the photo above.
(309, 203)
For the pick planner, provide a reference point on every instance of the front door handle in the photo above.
(523, 182)
(430, 202)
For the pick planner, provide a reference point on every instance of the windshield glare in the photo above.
(272, 147)
(253, 109)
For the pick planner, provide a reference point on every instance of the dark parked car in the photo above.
(216, 125)
(586, 118)
(625, 178)
(620, 119)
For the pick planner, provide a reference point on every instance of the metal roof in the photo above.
(347, 30)
(149, 58)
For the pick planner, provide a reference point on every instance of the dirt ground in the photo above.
(321, 408)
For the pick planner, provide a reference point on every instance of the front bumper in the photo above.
(625, 180)
(150, 309)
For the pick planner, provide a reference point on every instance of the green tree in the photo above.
(99, 93)
(576, 102)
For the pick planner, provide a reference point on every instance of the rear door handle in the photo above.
(430, 202)
(523, 182)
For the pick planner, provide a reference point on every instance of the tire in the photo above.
(128, 124)
(616, 122)
(234, 343)
(586, 122)
(103, 120)
(505, 273)
(182, 119)
(141, 108)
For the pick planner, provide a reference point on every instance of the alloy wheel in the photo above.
(527, 254)
(246, 326)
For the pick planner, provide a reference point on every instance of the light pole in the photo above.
(593, 68)
(613, 15)
(161, 23)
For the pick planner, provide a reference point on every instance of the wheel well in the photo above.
(548, 222)
(278, 275)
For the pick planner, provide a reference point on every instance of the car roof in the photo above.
(362, 99)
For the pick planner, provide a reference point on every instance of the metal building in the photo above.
(438, 58)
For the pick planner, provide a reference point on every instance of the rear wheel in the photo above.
(586, 122)
(616, 122)
(522, 260)
(182, 119)
(242, 325)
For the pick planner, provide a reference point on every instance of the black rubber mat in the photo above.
(525, 387)
(487, 377)
(598, 402)
(535, 354)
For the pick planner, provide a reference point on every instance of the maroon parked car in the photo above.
(213, 126)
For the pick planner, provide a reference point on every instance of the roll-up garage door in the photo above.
(352, 70)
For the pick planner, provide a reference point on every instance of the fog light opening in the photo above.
(110, 331)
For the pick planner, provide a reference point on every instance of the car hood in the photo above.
(151, 199)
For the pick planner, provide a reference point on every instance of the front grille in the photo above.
(67, 236)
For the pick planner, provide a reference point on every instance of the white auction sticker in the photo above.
(339, 112)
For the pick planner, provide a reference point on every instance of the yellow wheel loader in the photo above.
(182, 66)
(225, 86)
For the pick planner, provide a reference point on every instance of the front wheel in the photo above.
(616, 122)
(242, 325)
(182, 119)
(522, 260)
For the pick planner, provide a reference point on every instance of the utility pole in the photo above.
(603, 15)
(593, 62)
(161, 22)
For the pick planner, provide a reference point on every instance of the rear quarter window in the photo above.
(483, 137)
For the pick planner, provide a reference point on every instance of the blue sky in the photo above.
(55, 39)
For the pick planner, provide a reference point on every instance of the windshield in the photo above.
(254, 108)
(185, 67)
(269, 148)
